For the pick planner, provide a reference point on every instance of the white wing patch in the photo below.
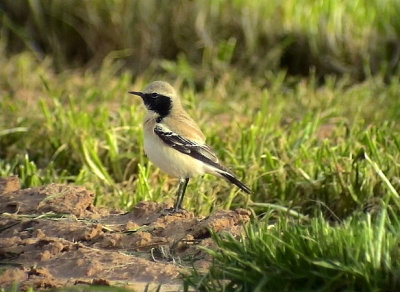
(199, 151)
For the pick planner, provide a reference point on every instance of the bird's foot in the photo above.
(174, 210)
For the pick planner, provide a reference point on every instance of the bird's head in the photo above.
(159, 97)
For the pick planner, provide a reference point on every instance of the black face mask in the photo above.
(158, 103)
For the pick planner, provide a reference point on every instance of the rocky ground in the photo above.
(53, 236)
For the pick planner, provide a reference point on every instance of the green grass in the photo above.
(328, 154)
(321, 152)
(341, 37)
(295, 143)
(359, 254)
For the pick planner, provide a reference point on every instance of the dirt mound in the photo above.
(53, 236)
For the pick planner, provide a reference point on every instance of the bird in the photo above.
(174, 142)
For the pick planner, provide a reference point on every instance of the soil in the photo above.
(53, 236)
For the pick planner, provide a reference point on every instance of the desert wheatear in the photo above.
(174, 142)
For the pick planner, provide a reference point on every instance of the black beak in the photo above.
(138, 93)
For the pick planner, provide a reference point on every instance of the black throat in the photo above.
(158, 103)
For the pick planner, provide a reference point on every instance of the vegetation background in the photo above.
(299, 98)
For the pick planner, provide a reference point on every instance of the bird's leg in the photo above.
(183, 182)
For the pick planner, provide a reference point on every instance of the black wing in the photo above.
(201, 152)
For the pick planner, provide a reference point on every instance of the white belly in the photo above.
(170, 160)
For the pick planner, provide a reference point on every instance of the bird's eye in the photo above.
(154, 95)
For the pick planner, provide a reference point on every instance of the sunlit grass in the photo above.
(321, 152)
(295, 143)
(343, 37)
(323, 159)
(359, 254)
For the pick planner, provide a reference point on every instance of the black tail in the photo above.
(231, 178)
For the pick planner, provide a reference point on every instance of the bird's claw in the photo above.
(174, 210)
